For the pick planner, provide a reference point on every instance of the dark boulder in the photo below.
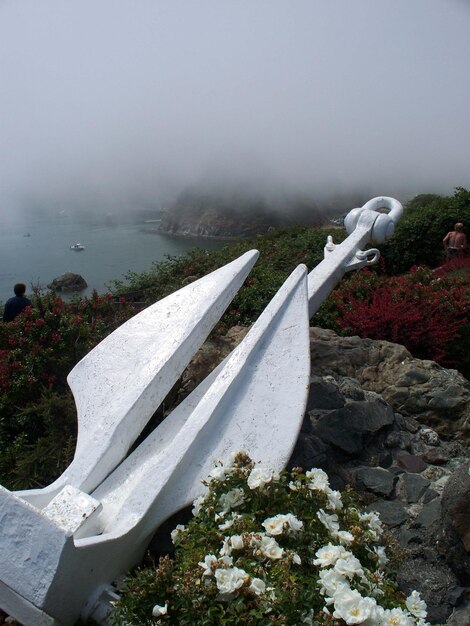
(454, 538)
(347, 428)
(375, 479)
(392, 513)
(68, 282)
(433, 580)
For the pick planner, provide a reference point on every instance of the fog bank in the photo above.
(117, 103)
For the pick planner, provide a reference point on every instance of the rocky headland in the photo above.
(233, 216)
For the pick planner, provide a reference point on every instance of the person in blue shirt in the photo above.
(15, 305)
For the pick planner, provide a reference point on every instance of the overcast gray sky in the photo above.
(128, 101)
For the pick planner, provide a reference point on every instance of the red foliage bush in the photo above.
(424, 311)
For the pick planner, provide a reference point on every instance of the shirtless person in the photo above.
(455, 242)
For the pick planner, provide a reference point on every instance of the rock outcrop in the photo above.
(68, 282)
(434, 395)
(418, 483)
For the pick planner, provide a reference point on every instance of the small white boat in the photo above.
(77, 246)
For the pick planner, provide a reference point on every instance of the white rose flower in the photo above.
(176, 534)
(349, 567)
(334, 500)
(257, 586)
(232, 498)
(374, 523)
(296, 559)
(294, 523)
(197, 505)
(237, 542)
(416, 606)
(270, 548)
(330, 522)
(294, 485)
(219, 473)
(329, 554)
(259, 476)
(230, 461)
(207, 564)
(226, 525)
(226, 549)
(344, 537)
(159, 610)
(274, 525)
(382, 558)
(330, 581)
(352, 607)
(317, 480)
(396, 617)
(230, 579)
(229, 522)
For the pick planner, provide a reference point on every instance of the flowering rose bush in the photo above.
(265, 548)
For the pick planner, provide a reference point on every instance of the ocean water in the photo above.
(110, 251)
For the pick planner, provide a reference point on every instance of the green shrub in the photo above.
(419, 233)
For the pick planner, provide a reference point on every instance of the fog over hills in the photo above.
(117, 104)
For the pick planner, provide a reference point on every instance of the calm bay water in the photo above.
(110, 251)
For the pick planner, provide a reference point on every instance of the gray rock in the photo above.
(433, 581)
(407, 423)
(411, 487)
(456, 504)
(323, 395)
(448, 397)
(396, 470)
(429, 436)
(410, 462)
(350, 388)
(375, 479)
(430, 514)
(309, 452)
(372, 395)
(435, 456)
(437, 396)
(456, 596)
(411, 374)
(393, 439)
(398, 439)
(460, 616)
(347, 428)
(391, 513)
(407, 537)
(68, 282)
(385, 460)
(430, 494)
(454, 535)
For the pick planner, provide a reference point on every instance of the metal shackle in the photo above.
(384, 224)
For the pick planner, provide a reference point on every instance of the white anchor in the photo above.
(62, 546)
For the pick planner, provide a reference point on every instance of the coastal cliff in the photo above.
(234, 216)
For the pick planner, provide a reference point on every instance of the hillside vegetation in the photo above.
(425, 310)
